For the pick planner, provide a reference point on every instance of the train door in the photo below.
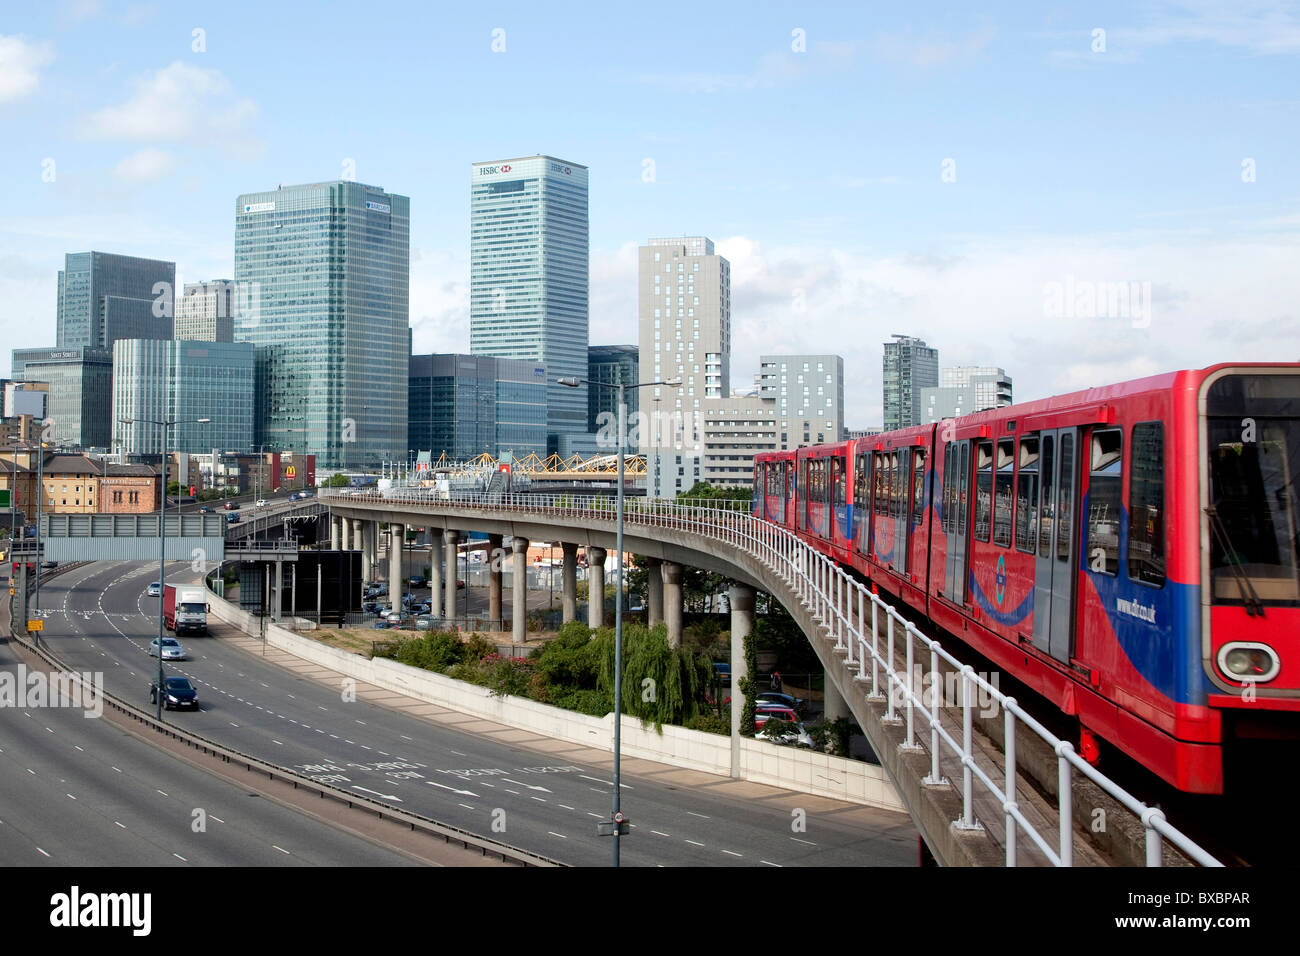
(956, 520)
(899, 487)
(1055, 562)
(789, 494)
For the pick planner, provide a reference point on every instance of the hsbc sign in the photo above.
(561, 168)
(493, 170)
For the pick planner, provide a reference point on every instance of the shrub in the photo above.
(711, 723)
(776, 728)
(831, 736)
(507, 676)
(592, 702)
(435, 651)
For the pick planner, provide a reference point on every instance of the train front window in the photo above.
(1253, 431)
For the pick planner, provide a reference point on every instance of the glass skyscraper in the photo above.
(105, 297)
(81, 392)
(182, 381)
(909, 366)
(322, 277)
(528, 277)
(466, 405)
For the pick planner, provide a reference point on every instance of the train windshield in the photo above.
(1254, 507)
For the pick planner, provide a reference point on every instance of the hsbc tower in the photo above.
(528, 272)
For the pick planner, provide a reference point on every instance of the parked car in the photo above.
(776, 710)
(419, 582)
(381, 626)
(394, 617)
(796, 704)
(460, 585)
(423, 623)
(177, 692)
(370, 607)
(155, 590)
(171, 649)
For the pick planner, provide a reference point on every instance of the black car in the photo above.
(177, 692)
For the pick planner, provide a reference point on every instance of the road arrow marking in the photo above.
(528, 785)
(463, 793)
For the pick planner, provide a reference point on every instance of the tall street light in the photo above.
(162, 524)
(616, 820)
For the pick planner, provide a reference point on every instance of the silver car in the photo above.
(171, 649)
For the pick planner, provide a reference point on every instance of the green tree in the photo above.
(706, 491)
(335, 481)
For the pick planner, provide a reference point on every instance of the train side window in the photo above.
(1003, 492)
(1105, 508)
(860, 484)
(1065, 500)
(1146, 505)
(1027, 495)
(882, 485)
(1047, 513)
(840, 480)
(983, 489)
(963, 488)
(918, 486)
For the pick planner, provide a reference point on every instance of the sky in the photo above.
(989, 180)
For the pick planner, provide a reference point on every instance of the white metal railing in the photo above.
(839, 605)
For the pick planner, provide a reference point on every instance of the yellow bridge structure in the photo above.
(552, 468)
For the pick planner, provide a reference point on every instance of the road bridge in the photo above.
(966, 797)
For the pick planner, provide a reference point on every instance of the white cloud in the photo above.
(20, 62)
(179, 103)
(984, 303)
(145, 166)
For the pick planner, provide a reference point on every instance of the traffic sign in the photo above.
(4, 497)
(35, 624)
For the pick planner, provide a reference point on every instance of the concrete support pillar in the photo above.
(336, 532)
(452, 568)
(435, 572)
(741, 599)
(346, 539)
(672, 577)
(367, 570)
(654, 600)
(396, 538)
(569, 586)
(279, 588)
(519, 580)
(595, 587)
(372, 548)
(836, 706)
(495, 559)
(356, 534)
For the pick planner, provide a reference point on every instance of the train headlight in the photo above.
(1246, 661)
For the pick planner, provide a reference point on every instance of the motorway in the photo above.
(505, 784)
(78, 791)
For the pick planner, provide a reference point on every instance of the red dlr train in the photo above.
(1130, 553)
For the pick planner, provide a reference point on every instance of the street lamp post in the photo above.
(616, 813)
(162, 524)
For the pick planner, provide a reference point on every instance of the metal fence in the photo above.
(855, 618)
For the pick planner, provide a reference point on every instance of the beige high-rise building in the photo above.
(205, 311)
(700, 431)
